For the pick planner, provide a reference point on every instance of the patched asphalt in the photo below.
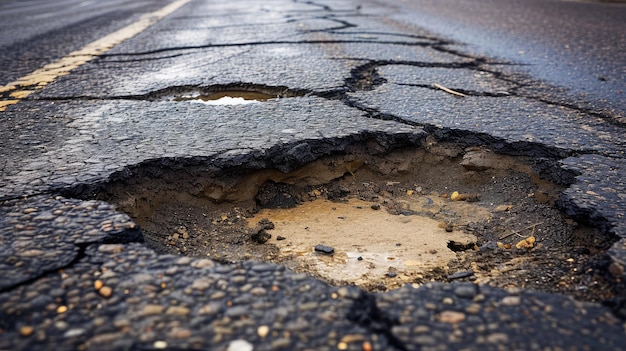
(76, 275)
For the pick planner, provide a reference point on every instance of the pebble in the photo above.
(149, 310)
(209, 309)
(105, 291)
(111, 248)
(61, 325)
(352, 338)
(179, 333)
(107, 338)
(201, 284)
(98, 284)
(31, 253)
(74, 333)
(258, 291)
(451, 317)
(237, 311)
(425, 340)
(281, 343)
(203, 263)
(177, 310)
(240, 345)
(26, 331)
(160, 344)
(498, 338)
(218, 295)
(511, 300)
(473, 308)
(262, 331)
(465, 291)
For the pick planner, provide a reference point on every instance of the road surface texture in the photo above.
(75, 273)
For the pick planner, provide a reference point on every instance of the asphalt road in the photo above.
(579, 45)
(90, 93)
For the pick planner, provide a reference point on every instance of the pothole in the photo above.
(376, 220)
(229, 94)
(233, 97)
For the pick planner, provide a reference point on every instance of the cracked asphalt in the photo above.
(74, 273)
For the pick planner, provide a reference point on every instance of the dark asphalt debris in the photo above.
(323, 249)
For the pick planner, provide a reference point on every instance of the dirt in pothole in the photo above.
(433, 214)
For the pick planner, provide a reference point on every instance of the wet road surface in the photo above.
(76, 275)
(578, 45)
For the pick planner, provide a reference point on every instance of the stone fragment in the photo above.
(503, 208)
(478, 160)
(527, 243)
(261, 237)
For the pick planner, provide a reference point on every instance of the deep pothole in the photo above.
(375, 219)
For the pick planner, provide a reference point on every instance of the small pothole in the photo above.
(233, 97)
(436, 212)
(228, 94)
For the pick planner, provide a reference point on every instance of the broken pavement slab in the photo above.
(42, 234)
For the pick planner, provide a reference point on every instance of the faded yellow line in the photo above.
(24, 86)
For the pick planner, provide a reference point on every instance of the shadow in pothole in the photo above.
(374, 218)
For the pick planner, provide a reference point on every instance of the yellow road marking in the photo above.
(26, 85)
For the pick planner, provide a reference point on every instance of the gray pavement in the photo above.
(76, 275)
